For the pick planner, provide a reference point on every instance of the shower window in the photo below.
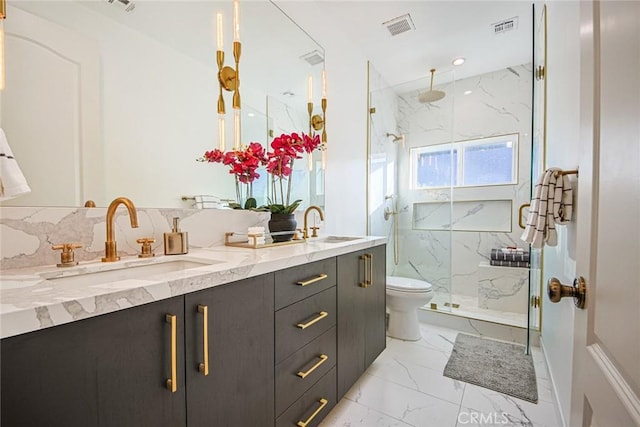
(477, 162)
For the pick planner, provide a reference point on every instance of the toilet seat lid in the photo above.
(405, 284)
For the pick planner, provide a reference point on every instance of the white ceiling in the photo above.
(443, 30)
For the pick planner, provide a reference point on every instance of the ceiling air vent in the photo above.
(314, 57)
(505, 25)
(400, 25)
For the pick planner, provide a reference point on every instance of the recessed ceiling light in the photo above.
(458, 61)
(468, 92)
(251, 114)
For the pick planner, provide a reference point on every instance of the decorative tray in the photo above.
(259, 240)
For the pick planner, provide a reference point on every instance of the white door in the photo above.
(606, 374)
(51, 111)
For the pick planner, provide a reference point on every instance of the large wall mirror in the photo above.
(102, 102)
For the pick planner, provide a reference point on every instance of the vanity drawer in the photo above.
(302, 322)
(315, 404)
(296, 283)
(302, 369)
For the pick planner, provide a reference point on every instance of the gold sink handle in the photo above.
(67, 256)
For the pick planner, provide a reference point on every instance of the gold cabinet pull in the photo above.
(370, 269)
(204, 366)
(314, 280)
(520, 217)
(323, 402)
(320, 316)
(323, 358)
(172, 383)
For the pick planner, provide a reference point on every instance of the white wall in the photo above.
(346, 67)
(563, 146)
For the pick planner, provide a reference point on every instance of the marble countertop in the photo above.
(35, 298)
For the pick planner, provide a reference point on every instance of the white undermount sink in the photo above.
(146, 271)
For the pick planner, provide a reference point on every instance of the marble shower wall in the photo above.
(29, 233)
(498, 103)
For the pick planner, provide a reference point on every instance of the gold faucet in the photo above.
(305, 232)
(110, 251)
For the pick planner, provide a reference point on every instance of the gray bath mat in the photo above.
(496, 365)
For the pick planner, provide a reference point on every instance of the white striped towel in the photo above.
(551, 204)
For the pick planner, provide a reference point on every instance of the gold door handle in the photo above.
(314, 280)
(320, 316)
(578, 291)
(520, 217)
(323, 402)
(365, 283)
(172, 383)
(370, 269)
(323, 358)
(203, 367)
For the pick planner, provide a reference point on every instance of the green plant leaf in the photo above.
(251, 203)
(292, 207)
(275, 208)
(235, 205)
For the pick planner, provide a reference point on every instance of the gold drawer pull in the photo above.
(172, 383)
(321, 316)
(323, 402)
(314, 280)
(323, 358)
(204, 366)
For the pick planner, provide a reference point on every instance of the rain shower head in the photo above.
(431, 95)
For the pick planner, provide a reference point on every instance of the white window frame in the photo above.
(460, 147)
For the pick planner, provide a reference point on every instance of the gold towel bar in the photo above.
(570, 172)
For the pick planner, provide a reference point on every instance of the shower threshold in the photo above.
(467, 306)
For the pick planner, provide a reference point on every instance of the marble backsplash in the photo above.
(29, 232)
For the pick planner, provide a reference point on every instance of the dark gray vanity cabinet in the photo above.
(361, 313)
(112, 370)
(305, 337)
(238, 388)
(278, 349)
(108, 370)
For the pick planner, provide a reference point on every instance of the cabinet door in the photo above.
(239, 388)
(375, 306)
(351, 320)
(109, 370)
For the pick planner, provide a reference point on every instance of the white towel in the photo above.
(12, 181)
(551, 204)
(207, 202)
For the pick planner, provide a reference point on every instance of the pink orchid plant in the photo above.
(243, 164)
(286, 149)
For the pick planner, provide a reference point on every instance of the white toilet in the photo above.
(404, 296)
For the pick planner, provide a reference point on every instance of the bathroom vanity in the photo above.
(269, 337)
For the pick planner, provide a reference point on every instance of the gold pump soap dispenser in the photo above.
(176, 242)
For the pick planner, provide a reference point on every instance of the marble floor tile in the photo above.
(410, 406)
(518, 412)
(405, 387)
(350, 414)
(416, 354)
(425, 380)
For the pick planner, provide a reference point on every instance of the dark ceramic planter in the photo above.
(282, 222)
